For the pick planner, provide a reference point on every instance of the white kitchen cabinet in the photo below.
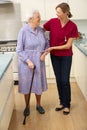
(47, 66)
(72, 75)
(46, 8)
(78, 9)
(80, 70)
(49, 69)
(50, 6)
(29, 5)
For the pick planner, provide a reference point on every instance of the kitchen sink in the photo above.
(84, 46)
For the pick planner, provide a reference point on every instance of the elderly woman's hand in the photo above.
(30, 64)
(42, 58)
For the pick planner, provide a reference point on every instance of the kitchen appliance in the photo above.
(8, 46)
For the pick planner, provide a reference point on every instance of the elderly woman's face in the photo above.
(36, 19)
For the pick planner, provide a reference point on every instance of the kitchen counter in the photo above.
(6, 90)
(5, 60)
(80, 66)
(81, 45)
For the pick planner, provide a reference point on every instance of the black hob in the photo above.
(8, 45)
(6, 41)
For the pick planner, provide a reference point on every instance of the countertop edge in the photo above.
(4, 70)
(81, 48)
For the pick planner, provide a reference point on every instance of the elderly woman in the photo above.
(31, 47)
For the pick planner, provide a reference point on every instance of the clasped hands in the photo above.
(42, 58)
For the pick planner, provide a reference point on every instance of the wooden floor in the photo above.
(51, 120)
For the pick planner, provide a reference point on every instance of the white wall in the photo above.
(82, 26)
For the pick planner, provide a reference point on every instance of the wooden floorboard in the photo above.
(51, 120)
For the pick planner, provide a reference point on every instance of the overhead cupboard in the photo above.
(47, 8)
(50, 6)
(78, 9)
(29, 5)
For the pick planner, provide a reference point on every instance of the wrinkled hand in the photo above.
(42, 58)
(30, 64)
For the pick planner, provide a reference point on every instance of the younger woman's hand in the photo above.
(49, 49)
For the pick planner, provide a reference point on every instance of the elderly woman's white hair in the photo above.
(31, 14)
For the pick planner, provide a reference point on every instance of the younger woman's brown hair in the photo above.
(65, 8)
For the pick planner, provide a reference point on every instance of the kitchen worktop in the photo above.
(5, 60)
(81, 45)
(6, 90)
(80, 67)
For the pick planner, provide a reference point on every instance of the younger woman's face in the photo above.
(60, 13)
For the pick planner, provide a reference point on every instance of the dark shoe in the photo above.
(66, 112)
(59, 108)
(26, 111)
(40, 109)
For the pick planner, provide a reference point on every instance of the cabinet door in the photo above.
(81, 70)
(78, 9)
(29, 5)
(46, 8)
(49, 69)
(47, 66)
(50, 8)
